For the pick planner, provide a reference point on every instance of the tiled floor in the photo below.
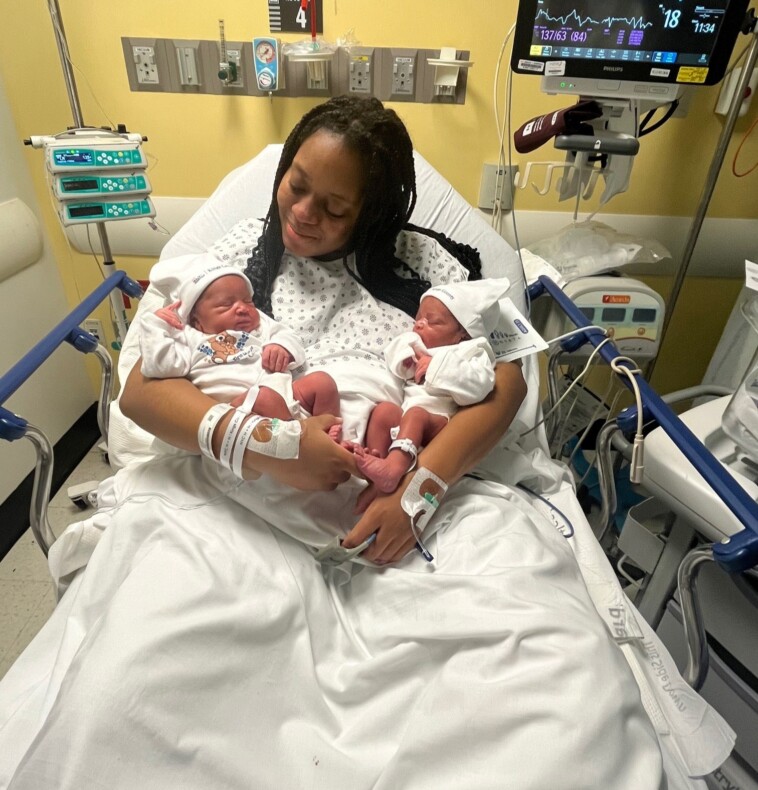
(27, 596)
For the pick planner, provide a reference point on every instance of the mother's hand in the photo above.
(321, 465)
(383, 515)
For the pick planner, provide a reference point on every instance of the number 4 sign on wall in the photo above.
(294, 16)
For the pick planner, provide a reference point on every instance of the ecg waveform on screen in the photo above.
(635, 22)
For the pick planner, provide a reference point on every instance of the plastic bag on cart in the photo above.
(585, 248)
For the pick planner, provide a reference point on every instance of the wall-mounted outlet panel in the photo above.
(146, 64)
(360, 71)
(426, 91)
(238, 52)
(497, 184)
(399, 75)
(193, 66)
(185, 67)
(316, 78)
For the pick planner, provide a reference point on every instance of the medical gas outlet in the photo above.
(264, 66)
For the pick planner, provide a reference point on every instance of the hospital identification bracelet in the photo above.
(207, 426)
(266, 436)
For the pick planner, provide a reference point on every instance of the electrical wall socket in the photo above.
(146, 64)
(95, 327)
(497, 185)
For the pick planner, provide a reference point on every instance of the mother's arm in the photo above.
(471, 433)
(172, 410)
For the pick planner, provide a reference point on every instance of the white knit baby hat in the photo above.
(184, 277)
(476, 305)
(190, 290)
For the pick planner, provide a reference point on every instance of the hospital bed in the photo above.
(481, 671)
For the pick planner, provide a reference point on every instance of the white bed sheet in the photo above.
(214, 652)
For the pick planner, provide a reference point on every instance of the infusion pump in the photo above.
(97, 176)
(628, 309)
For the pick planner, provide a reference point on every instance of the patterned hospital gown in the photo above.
(342, 327)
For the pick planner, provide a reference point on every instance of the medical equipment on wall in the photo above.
(269, 73)
(229, 67)
(627, 59)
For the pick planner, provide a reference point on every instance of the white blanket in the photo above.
(203, 648)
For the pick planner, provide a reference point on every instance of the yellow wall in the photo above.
(195, 140)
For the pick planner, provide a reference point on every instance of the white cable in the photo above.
(564, 424)
(592, 419)
(571, 386)
(501, 131)
(637, 463)
(577, 332)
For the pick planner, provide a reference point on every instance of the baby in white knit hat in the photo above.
(213, 334)
(446, 361)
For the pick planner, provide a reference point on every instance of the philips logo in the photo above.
(521, 327)
(613, 68)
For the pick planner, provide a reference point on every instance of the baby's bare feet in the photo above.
(384, 473)
(335, 432)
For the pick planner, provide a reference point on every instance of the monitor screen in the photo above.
(578, 45)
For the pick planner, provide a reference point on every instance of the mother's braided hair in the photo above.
(384, 147)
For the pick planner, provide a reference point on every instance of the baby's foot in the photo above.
(335, 432)
(384, 473)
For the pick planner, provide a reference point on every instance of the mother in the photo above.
(343, 193)
(201, 648)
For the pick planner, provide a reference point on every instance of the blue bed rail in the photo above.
(14, 427)
(734, 554)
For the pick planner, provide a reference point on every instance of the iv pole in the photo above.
(713, 174)
(76, 109)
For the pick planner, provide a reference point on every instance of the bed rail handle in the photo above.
(734, 554)
(65, 331)
(13, 426)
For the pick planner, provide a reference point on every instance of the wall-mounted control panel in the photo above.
(238, 68)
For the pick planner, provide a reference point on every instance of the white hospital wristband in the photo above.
(230, 435)
(207, 426)
(240, 443)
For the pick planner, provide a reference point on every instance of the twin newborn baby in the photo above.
(446, 361)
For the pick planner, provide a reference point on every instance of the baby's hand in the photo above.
(422, 365)
(275, 358)
(169, 315)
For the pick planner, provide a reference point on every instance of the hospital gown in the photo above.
(205, 648)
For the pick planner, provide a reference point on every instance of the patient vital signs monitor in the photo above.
(626, 48)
